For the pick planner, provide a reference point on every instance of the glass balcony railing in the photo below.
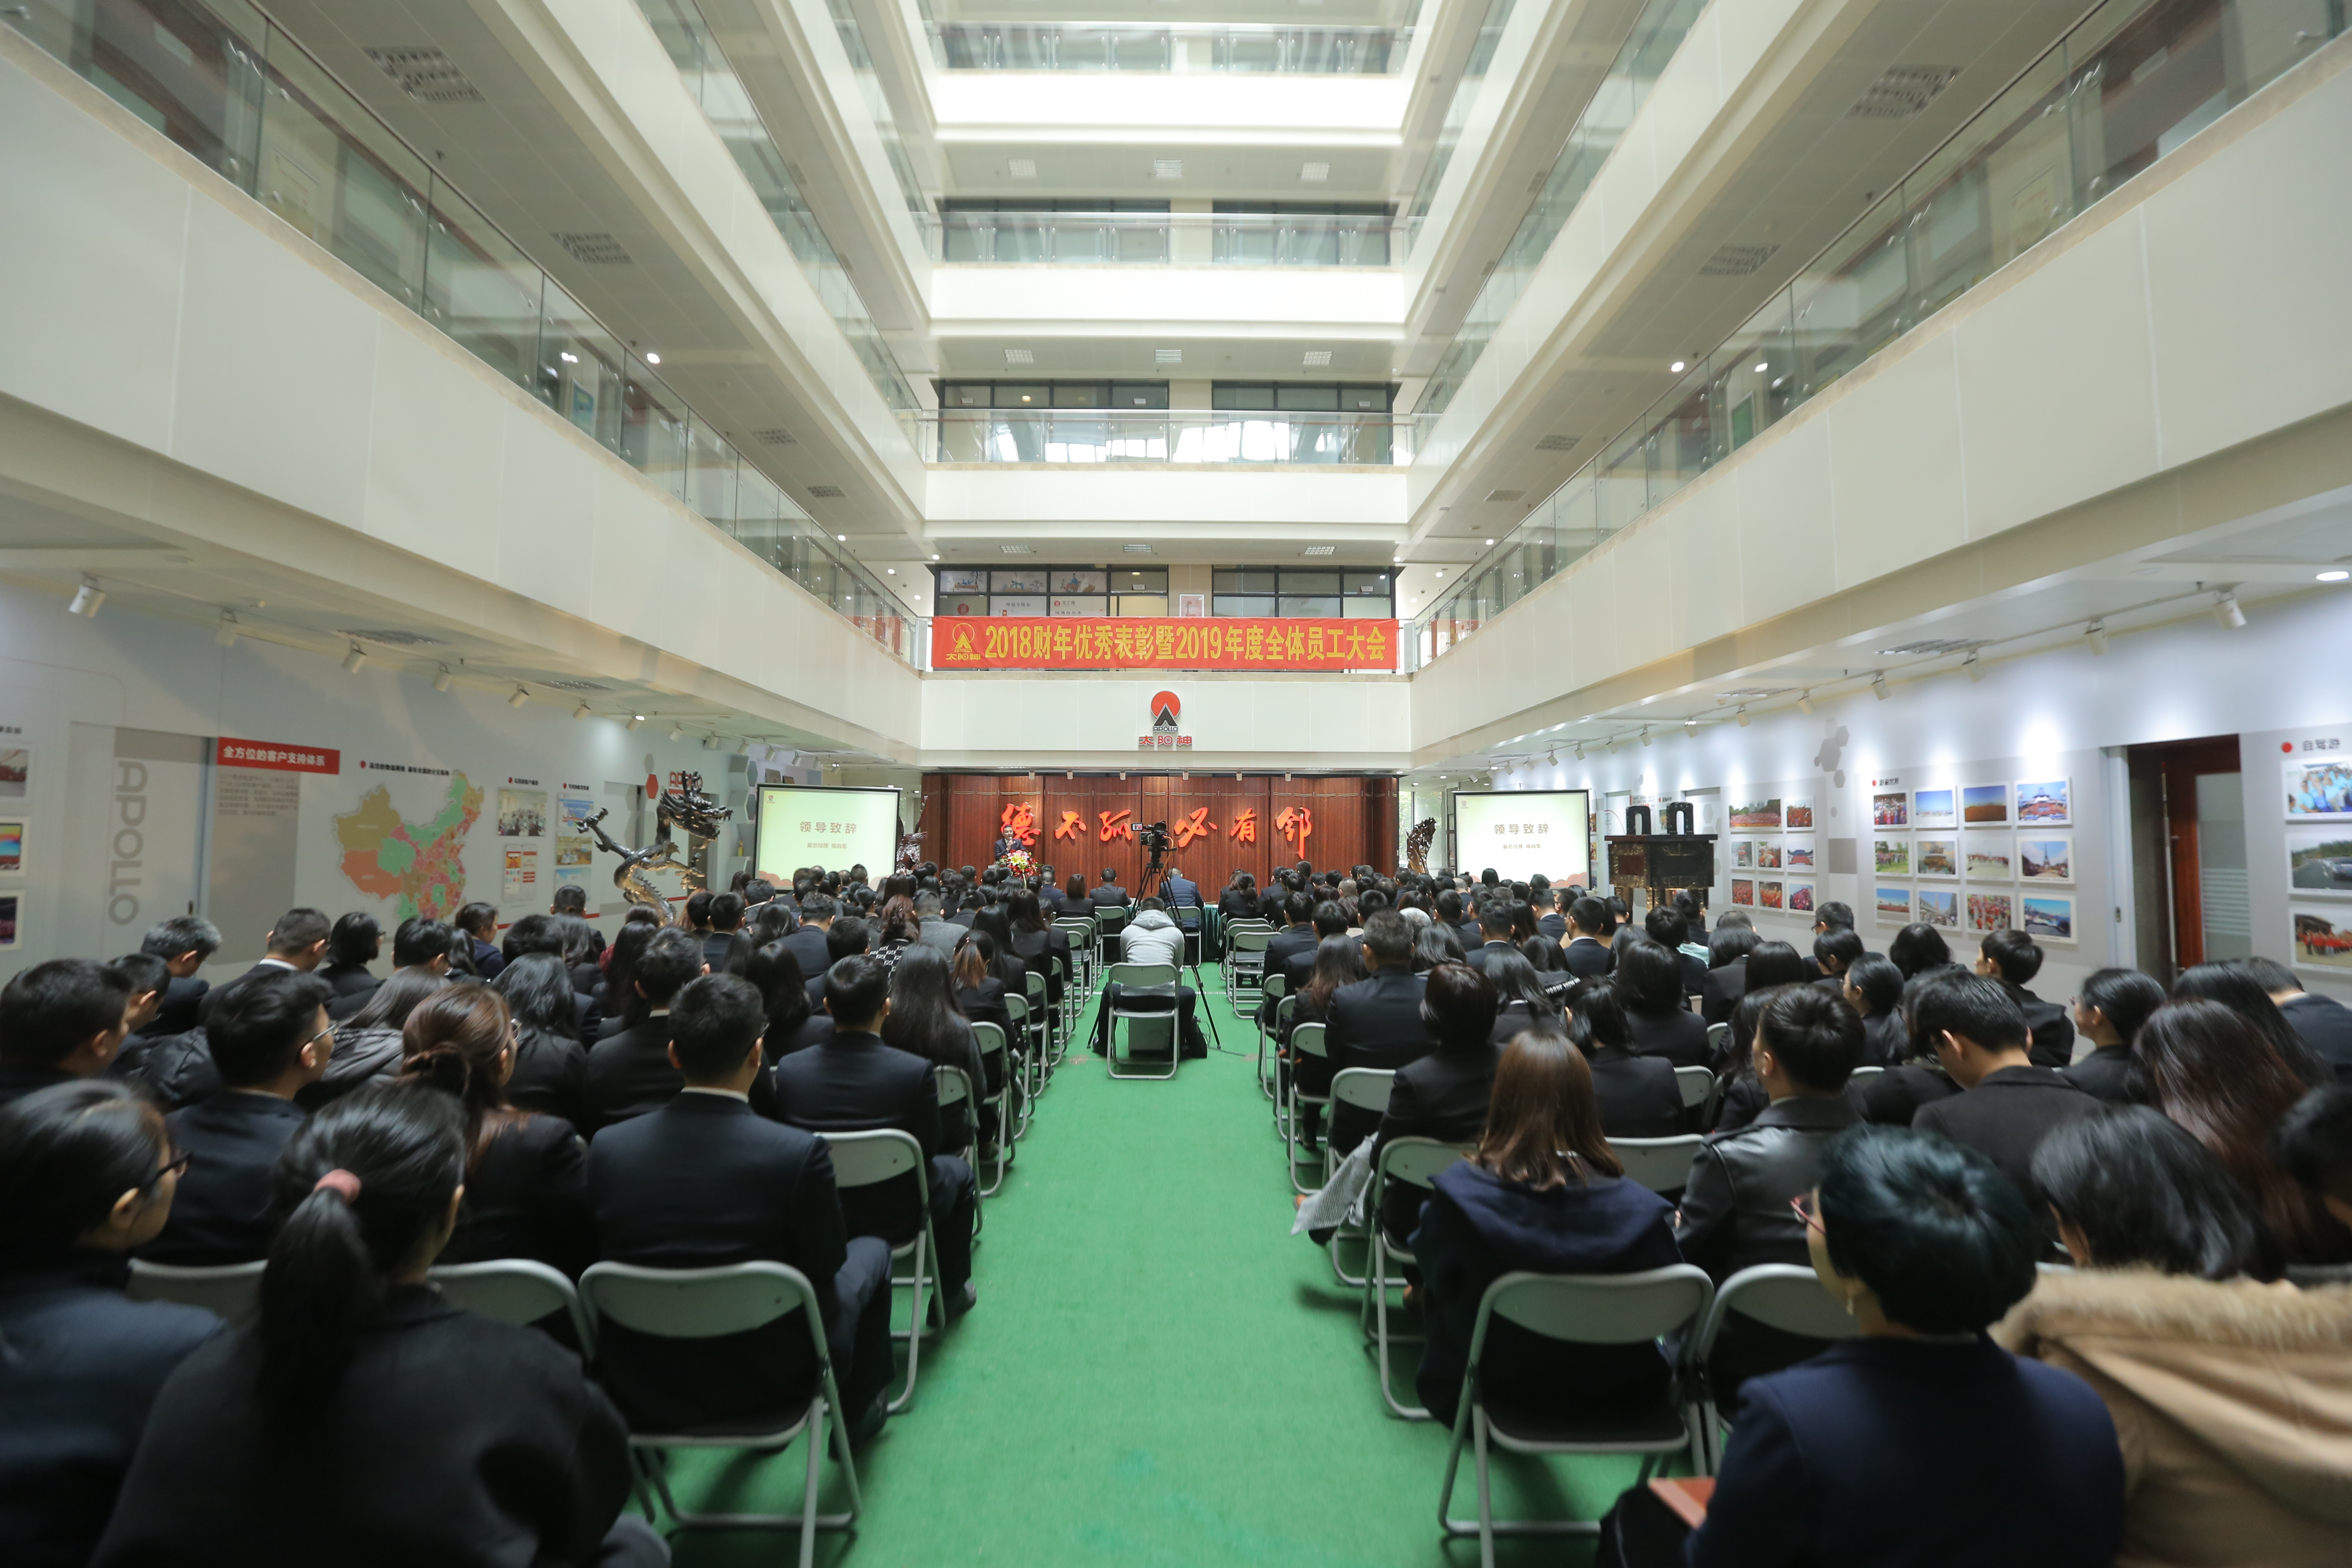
(228, 85)
(1159, 238)
(1161, 435)
(1201, 46)
(2127, 86)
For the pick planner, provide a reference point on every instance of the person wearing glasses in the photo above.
(87, 1173)
(270, 1039)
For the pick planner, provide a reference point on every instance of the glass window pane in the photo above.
(1024, 394)
(580, 368)
(1081, 394)
(1240, 394)
(1367, 399)
(1139, 394)
(1311, 399)
(964, 395)
(1373, 583)
(1306, 605)
(1241, 604)
(479, 290)
(1310, 582)
(1242, 582)
(1149, 581)
(1143, 605)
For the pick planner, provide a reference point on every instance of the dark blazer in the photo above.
(2103, 1074)
(1694, 972)
(1886, 1451)
(1734, 1210)
(1678, 1034)
(449, 1439)
(1891, 1099)
(854, 1083)
(2053, 1030)
(1883, 1039)
(807, 944)
(984, 1004)
(1551, 923)
(2324, 1023)
(223, 1212)
(1374, 1023)
(1287, 943)
(487, 959)
(1588, 958)
(1181, 893)
(814, 1029)
(1514, 1018)
(1442, 1096)
(2006, 1117)
(17, 1082)
(1109, 895)
(1719, 996)
(354, 981)
(527, 1196)
(81, 1367)
(1475, 1228)
(629, 1074)
(550, 1074)
(957, 1130)
(1480, 954)
(182, 999)
(700, 1183)
(1638, 1096)
(726, 950)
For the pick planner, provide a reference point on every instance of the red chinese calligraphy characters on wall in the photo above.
(1019, 823)
(1297, 825)
(1116, 825)
(1195, 824)
(1073, 828)
(1244, 828)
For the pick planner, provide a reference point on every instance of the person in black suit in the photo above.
(925, 1020)
(417, 945)
(1835, 950)
(89, 1174)
(1297, 939)
(1443, 1095)
(1521, 1001)
(182, 943)
(1887, 1448)
(545, 934)
(1916, 1079)
(792, 1024)
(2013, 958)
(353, 943)
(704, 1182)
(551, 1065)
(1727, 969)
(1109, 895)
(361, 1419)
(854, 1083)
(629, 1070)
(1670, 932)
(297, 942)
(1494, 932)
(845, 936)
(2324, 1023)
(1588, 956)
(1874, 988)
(2112, 1006)
(1549, 921)
(1182, 896)
(1637, 1095)
(270, 1039)
(724, 945)
(59, 1021)
(1649, 985)
(1376, 1023)
(2009, 1104)
(807, 942)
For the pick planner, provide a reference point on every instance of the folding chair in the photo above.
(231, 1290)
(1784, 1296)
(1068, 1018)
(870, 1159)
(1130, 977)
(1271, 991)
(1716, 1035)
(1367, 1089)
(704, 1303)
(1575, 1309)
(990, 1037)
(1306, 1041)
(1041, 1020)
(954, 1086)
(1033, 1071)
(1080, 930)
(1866, 1072)
(1416, 1162)
(1244, 964)
(1660, 1165)
(1270, 1084)
(517, 1291)
(1698, 1087)
(1109, 922)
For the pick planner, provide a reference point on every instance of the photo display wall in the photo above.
(1771, 852)
(1972, 858)
(2317, 790)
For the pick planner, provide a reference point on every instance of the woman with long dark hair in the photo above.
(794, 1023)
(1648, 981)
(896, 929)
(1073, 891)
(551, 1065)
(362, 1420)
(1521, 1003)
(1917, 1078)
(978, 991)
(1637, 1095)
(621, 965)
(1035, 942)
(1872, 987)
(1007, 965)
(1445, 1094)
(1433, 944)
(356, 942)
(1726, 971)
(367, 1047)
(1543, 1192)
(925, 1021)
(1917, 947)
(2108, 1010)
(526, 1172)
(2239, 992)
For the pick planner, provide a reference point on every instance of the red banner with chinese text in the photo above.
(1010, 642)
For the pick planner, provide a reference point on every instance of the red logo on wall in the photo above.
(1163, 736)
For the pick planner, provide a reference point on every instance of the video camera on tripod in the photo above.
(1155, 837)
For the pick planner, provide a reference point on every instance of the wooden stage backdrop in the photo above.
(1351, 821)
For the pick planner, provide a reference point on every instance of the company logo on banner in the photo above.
(1164, 709)
(1004, 642)
(277, 755)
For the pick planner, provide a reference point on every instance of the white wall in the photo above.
(1023, 721)
(1338, 304)
(1219, 501)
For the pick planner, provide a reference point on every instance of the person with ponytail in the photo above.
(86, 1173)
(526, 1172)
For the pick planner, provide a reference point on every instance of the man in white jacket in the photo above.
(1152, 937)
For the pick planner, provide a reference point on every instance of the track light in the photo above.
(353, 659)
(634, 720)
(1878, 687)
(1645, 735)
(744, 750)
(225, 634)
(87, 598)
(2095, 634)
(1580, 751)
(1612, 746)
(2225, 610)
(521, 695)
(1690, 728)
(442, 678)
(678, 731)
(1740, 713)
(1551, 759)
(713, 742)
(1974, 665)
(582, 711)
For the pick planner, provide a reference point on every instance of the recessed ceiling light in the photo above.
(1490, 541)
(1318, 550)
(1014, 549)
(653, 359)
(1314, 174)
(889, 570)
(841, 539)
(1019, 357)
(935, 558)
(1762, 366)
(1168, 168)
(1167, 357)
(1316, 357)
(2334, 576)
(1676, 367)
(567, 356)
(1021, 168)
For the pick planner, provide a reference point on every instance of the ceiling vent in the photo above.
(1901, 93)
(779, 437)
(1135, 548)
(1501, 496)
(1736, 260)
(393, 638)
(1557, 443)
(1319, 549)
(1167, 357)
(576, 685)
(427, 74)
(825, 492)
(1318, 358)
(1168, 168)
(1931, 647)
(1019, 357)
(598, 248)
(1016, 549)
(1021, 168)
(1314, 174)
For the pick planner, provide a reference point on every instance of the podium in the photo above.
(1660, 864)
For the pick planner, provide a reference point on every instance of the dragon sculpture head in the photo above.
(688, 807)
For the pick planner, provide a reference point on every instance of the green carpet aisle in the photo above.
(1158, 1374)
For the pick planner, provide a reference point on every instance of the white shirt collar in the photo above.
(721, 1093)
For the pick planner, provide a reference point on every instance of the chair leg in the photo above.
(1486, 1495)
(815, 1436)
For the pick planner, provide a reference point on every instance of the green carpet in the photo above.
(1156, 1373)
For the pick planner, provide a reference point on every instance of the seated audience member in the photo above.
(895, 929)
(367, 1044)
(1836, 951)
(1108, 894)
(545, 934)
(1727, 970)
(2324, 1023)
(2014, 958)
(1664, 926)
(149, 979)
(1551, 924)
(355, 941)
(1437, 943)
(2232, 1399)
(2235, 988)
(1152, 937)
(525, 1171)
(59, 1021)
(1494, 923)
(925, 1020)
(2209, 1069)
(1445, 1094)
(1520, 1000)
(792, 1024)
(1338, 962)
(420, 948)
(476, 923)
(1872, 987)
(1637, 1095)
(1649, 981)
(2114, 1004)
(362, 1419)
(1891, 1099)
(1694, 914)
(629, 1071)
(183, 943)
(980, 992)
(1377, 1022)
(855, 1082)
(702, 1182)
(996, 920)
(724, 946)
(1921, 1440)
(2313, 1146)
(1917, 949)
(1297, 937)
(270, 1039)
(770, 921)
(87, 1175)
(1734, 1209)
(1740, 1095)
(572, 900)
(1542, 1194)
(550, 1067)
(1586, 950)
(846, 935)
(1035, 942)
(808, 939)
(1832, 915)
(2009, 1104)
(297, 942)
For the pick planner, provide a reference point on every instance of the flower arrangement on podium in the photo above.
(1017, 861)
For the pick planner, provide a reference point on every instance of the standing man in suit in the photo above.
(2013, 958)
(59, 1021)
(1588, 956)
(1494, 931)
(854, 1083)
(2010, 1103)
(1109, 894)
(182, 943)
(1376, 1023)
(704, 1181)
(807, 944)
(270, 1039)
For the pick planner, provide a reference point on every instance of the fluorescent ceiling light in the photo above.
(2334, 575)
(1318, 550)
(1676, 367)
(1021, 168)
(1168, 168)
(1167, 357)
(1316, 357)
(1136, 549)
(1314, 174)
(1019, 357)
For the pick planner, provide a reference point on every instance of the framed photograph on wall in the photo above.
(1026, 606)
(1891, 856)
(963, 579)
(1801, 898)
(1940, 907)
(12, 924)
(15, 773)
(1936, 857)
(1935, 808)
(1797, 814)
(1893, 906)
(2315, 791)
(1990, 857)
(1770, 895)
(2047, 917)
(2044, 803)
(1797, 854)
(1992, 911)
(1016, 581)
(1984, 806)
(1743, 854)
(1743, 891)
(2045, 857)
(1890, 808)
(2323, 940)
(1068, 582)
(2319, 861)
(12, 849)
(1767, 855)
(1756, 816)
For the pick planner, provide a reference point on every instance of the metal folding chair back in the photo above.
(1146, 1022)
(1660, 1165)
(1306, 1041)
(954, 1088)
(706, 1303)
(1366, 1088)
(517, 1290)
(1041, 1012)
(1716, 1035)
(989, 1038)
(1415, 1161)
(233, 1290)
(1866, 1072)
(1784, 1296)
(1697, 1084)
(869, 1159)
(1245, 965)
